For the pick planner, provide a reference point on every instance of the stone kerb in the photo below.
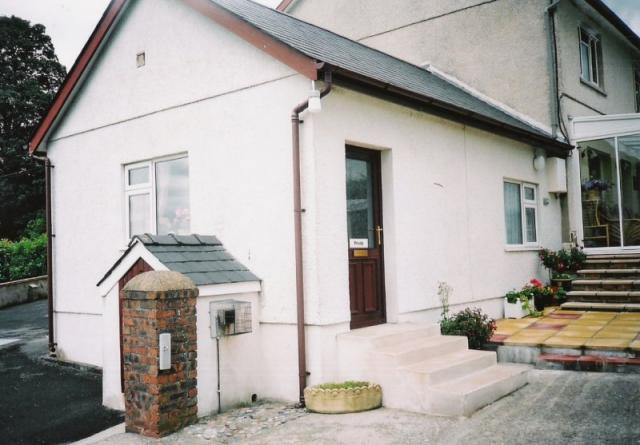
(159, 402)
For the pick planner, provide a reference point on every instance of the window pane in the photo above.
(139, 214)
(139, 176)
(513, 213)
(584, 62)
(360, 200)
(530, 214)
(594, 61)
(172, 196)
(529, 194)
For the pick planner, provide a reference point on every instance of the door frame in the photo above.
(376, 173)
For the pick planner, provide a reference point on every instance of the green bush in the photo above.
(25, 258)
(472, 323)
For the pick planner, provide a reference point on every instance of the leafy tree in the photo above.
(30, 76)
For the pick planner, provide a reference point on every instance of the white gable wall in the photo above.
(238, 143)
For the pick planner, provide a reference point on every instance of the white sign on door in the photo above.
(358, 243)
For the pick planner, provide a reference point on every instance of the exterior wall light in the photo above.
(315, 105)
(539, 163)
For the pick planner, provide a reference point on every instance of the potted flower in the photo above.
(346, 397)
(517, 304)
(563, 265)
(594, 187)
(542, 295)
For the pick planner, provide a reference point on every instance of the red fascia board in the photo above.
(258, 38)
(284, 4)
(287, 55)
(78, 69)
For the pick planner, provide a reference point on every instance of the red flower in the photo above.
(536, 283)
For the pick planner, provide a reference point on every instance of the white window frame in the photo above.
(594, 61)
(525, 204)
(142, 189)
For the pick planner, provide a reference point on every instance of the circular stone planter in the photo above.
(343, 400)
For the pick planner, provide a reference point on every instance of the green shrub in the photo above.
(472, 323)
(25, 258)
(349, 384)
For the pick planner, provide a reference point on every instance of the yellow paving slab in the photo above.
(529, 338)
(550, 309)
(621, 327)
(506, 331)
(607, 343)
(599, 316)
(625, 322)
(566, 311)
(555, 321)
(610, 333)
(565, 342)
(576, 333)
(629, 316)
(588, 322)
(635, 345)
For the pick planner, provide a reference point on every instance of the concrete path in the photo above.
(557, 407)
(43, 403)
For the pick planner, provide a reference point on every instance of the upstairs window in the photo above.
(157, 197)
(636, 80)
(521, 213)
(590, 58)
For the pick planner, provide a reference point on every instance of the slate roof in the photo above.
(200, 257)
(354, 57)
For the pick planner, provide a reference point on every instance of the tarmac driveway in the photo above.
(40, 402)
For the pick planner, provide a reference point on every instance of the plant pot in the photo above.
(542, 301)
(343, 400)
(564, 283)
(592, 195)
(514, 310)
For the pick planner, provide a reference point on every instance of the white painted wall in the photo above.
(443, 208)
(239, 157)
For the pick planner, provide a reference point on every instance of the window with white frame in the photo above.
(521, 213)
(157, 196)
(590, 58)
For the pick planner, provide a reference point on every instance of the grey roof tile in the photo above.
(354, 57)
(203, 258)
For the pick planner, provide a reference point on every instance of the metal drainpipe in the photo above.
(297, 209)
(47, 181)
(553, 68)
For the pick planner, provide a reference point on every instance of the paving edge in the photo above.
(102, 435)
(71, 365)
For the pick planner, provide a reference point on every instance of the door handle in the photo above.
(379, 235)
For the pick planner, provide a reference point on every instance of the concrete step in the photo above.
(465, 395)
(604, 296)
(609, 284)
(441, 368)
(419, 349)
(626, 263)
(617, 256)
(390, 333)
(597, 306)
(605, 274)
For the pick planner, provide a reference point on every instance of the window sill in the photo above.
(522, 248)
(597, 88)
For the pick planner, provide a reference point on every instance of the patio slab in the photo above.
(616, 344)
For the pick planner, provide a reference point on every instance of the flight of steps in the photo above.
(607, 282)
(422, 371)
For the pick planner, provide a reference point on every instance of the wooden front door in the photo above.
(365, 237)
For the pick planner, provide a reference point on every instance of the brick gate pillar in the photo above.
(159, 402)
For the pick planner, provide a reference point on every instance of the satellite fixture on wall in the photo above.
(141, 59)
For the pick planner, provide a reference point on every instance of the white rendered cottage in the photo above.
(177, 118)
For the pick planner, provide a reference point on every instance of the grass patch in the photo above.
(349, 384)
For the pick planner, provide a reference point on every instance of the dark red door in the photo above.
(365, 237)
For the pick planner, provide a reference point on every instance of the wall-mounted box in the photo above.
(230, 317)
(556, 175)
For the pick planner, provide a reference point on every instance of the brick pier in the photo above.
(159, 402)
